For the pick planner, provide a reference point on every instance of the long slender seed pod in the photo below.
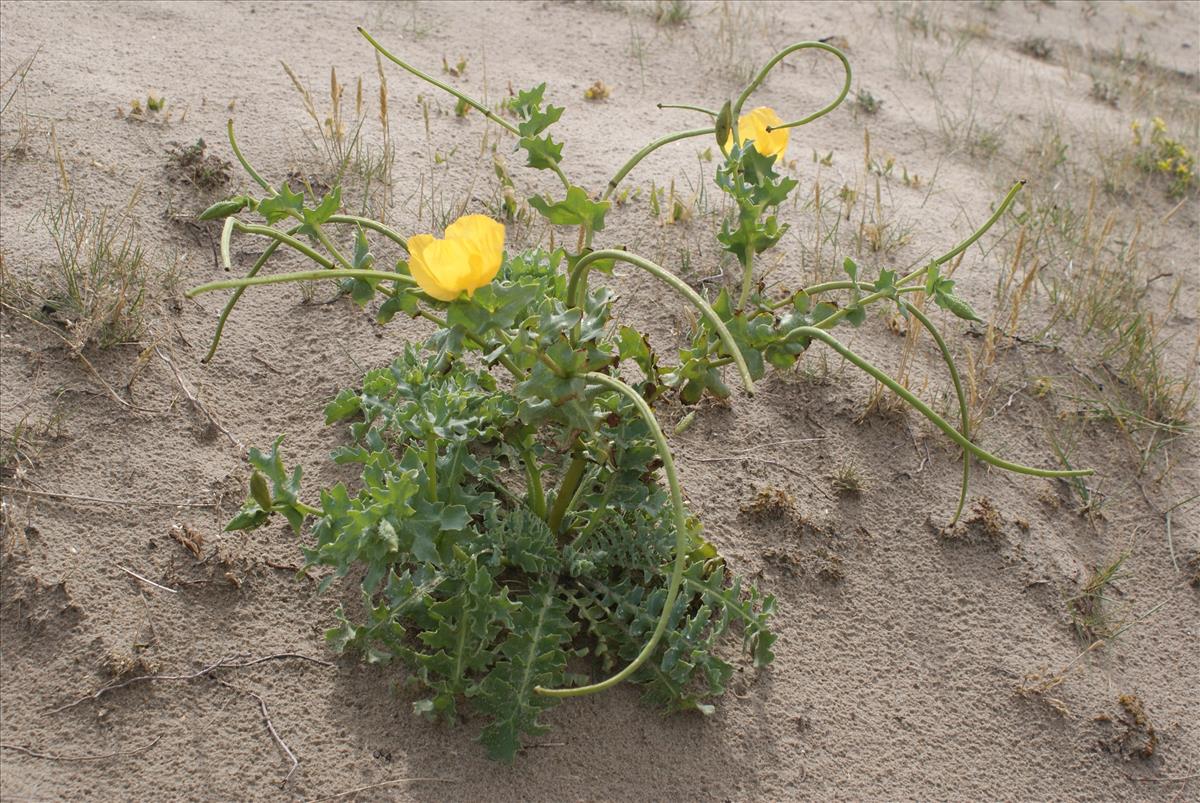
(577, 290)
(924, 409)
(233, 300)
(778, 57)
(299, 276)
(681, 543)
(963, 412)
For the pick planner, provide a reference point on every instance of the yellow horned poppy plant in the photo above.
(466, 259)
(753, 126)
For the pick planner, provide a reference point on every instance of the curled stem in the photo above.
(681, 543)
(778, 57)
(577, 290)
(925, 410)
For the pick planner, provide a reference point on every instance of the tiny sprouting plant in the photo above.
(517, 539)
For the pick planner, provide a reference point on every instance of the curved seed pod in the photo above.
(724, 127)
(223, 209)
(260, 491)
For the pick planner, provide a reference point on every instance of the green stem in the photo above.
(233, 300)
(262, 182)
(431, 457)
(963, 412)
(826, 287)
(374, 225)
(329, 246)
(485, 111)
(924, 409)
(566, 490)
(967, 243)
(833, 319)
(299, 276)
(747, 279)
(687, 107)
(286, 239)
(577, 291)
(533, 479)
(762, 74)
(646, 151)
(308, 510)
(681, 543)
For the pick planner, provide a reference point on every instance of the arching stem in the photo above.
(646, 151)
(237, 152)
(688, 107)
(963, 412)
(925, 410)
(681, 543)
(289, 240)
(233, 300)
(467, 99)
(833, 319)
(577, 290)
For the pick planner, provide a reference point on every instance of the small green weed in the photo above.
(96, 289)
(1161, 155)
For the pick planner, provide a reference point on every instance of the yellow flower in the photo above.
(753, 126)
(466, 259)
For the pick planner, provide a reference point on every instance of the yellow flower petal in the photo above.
(467, 259)
(752, 126)
(450, 264)
(435, 267)
(483, 238)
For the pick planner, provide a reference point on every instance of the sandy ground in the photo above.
(911, 663)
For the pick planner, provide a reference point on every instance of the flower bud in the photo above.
(223, 209)
(260, 491)
(724, 124)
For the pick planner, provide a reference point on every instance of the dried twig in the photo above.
(59, 757)
(381, 785)
(225, 663)
(777, 464)
(262, 704)
(132, 573)
(762, 446)
(195, 400)
(1165, 779)
(75, 353)
(104, 500)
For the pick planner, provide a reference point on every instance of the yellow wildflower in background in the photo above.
(467, 259)
(753, 126)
